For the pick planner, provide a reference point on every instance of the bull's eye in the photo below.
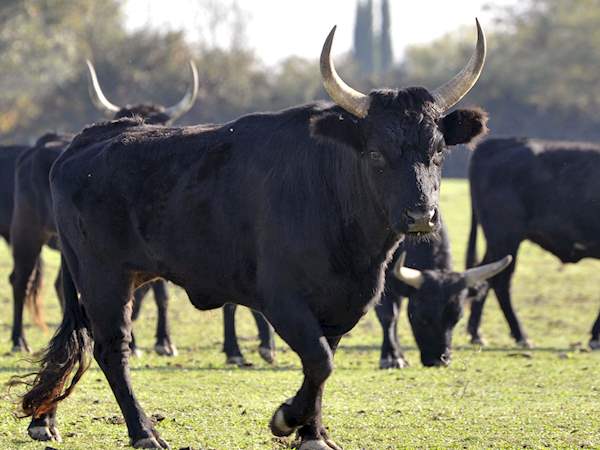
(377, 158)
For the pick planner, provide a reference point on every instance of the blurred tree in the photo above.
(363, 37)
(541, 77)
(41, 43)
(386, 55)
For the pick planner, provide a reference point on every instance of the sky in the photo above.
(277, 29)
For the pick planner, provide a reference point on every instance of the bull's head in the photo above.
(401, 136)
(154, 114)
(436, 304)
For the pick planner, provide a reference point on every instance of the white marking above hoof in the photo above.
(279, 427)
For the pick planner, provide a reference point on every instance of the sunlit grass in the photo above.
(498, 397)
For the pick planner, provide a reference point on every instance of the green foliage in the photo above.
(541, 77)
(498, 397)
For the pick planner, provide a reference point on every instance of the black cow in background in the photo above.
(436, 296)
(32, 221)
(295, 214)
(547, 192)
(8, 159)
(154, 114)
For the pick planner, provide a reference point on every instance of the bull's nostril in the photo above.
(420, 216)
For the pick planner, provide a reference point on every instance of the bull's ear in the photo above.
(338, 127)
(465, 126)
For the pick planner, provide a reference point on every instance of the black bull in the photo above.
(542, 191)
(295, 214)
(32, 225)
(436, 297)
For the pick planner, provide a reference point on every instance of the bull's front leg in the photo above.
(298, 327)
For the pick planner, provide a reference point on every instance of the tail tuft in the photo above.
(69, 352)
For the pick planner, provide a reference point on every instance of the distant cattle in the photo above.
(546, 192)
(436, 296)
(8, 158)
(295, 214)
(31, 219)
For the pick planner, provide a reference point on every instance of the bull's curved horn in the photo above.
(450, 93)
(351, 100)
(478, 274)
(96, 94)
(186, 103)
(412, 277)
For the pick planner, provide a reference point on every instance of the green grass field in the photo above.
(496, 397)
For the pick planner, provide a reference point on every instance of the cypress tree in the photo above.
(386, 55)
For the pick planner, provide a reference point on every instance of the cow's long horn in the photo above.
(478, 274)
(96, 94)
(412, 277)
(350, 99)
(450, 93)
(188, 100)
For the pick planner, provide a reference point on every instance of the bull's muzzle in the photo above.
(421, 221)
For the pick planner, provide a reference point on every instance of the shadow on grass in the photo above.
(513, 349)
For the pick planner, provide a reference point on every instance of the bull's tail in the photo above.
(68, 353)
(472, 245)
(33, 297)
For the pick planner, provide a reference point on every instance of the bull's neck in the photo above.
(365, 232)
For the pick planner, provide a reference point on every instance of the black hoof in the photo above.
(165, 348)
(478, 340)
(20, 346)
(44, 433)
(524, 343)
(594, 344)
(393, 363)
(239, 361)
(319, 444)
(267, 354)
(154, 442)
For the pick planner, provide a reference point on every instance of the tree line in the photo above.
(541, 78)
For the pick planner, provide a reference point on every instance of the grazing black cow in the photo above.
(295, 214)
(542, 191)
(32, 222)
(427, 280)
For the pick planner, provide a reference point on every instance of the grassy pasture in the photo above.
(498, 396)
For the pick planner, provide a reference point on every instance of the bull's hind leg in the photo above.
(266, 348)
(25, 280)
(387, 314)
(108, 305)
(298, 327)
(164, 346)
